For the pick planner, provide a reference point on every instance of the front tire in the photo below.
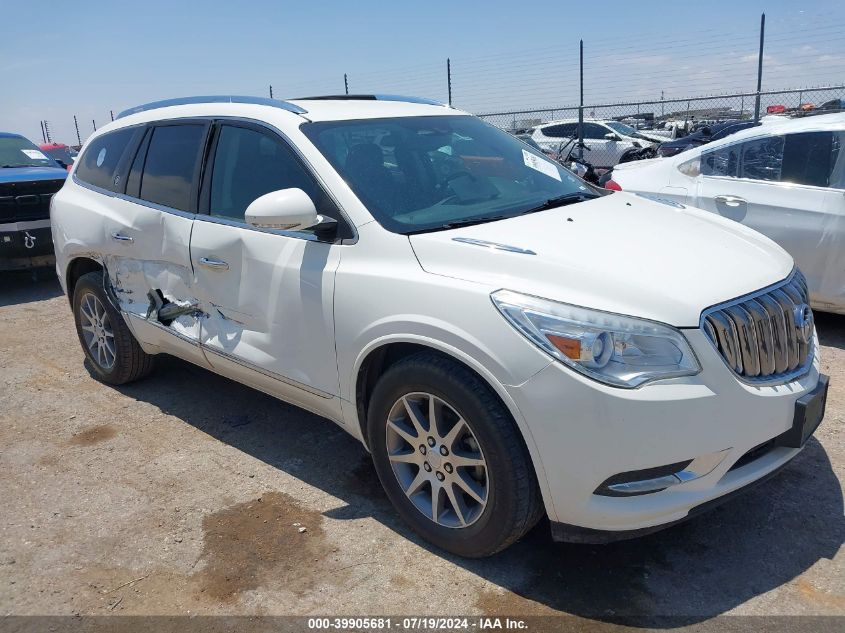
(113, 353)
(450, 457)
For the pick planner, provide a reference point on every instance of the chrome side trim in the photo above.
(265, 372)
(166, 103)
(229, 357)
(24, 226)
(494, 245)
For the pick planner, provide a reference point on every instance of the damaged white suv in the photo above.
(506, 340)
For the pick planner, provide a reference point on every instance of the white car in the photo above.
(605, 141)
(506, 340)
(785, 179)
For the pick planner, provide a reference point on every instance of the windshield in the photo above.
(16, 151)
(427, 173)
(624, 130)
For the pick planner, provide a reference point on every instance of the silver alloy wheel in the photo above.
(437, 460)
(97, 330)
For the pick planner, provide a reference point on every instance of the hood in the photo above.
(30, 174)
(619, 253)
(654, 138)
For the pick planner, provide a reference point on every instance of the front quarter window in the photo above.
(429, 173)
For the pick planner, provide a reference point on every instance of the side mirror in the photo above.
(286, 209)
(610, 136)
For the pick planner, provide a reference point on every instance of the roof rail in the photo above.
(421, 100)
(275, 103)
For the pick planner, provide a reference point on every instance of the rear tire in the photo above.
(113, 353)
(478, 480)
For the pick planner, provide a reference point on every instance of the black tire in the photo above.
(131, 362)
(513, 503)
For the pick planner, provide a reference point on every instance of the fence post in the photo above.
(581, 102)
(76, 125)
(449, 78)
(760, 68)
(345, 83)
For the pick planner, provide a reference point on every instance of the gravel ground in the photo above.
(186, 493)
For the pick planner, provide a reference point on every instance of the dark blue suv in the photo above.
(28, 179)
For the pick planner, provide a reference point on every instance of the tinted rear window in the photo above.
(170, 170)
(98, 165)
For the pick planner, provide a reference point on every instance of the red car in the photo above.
(60, 153)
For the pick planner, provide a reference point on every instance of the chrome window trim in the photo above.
(166, 103)
(228, 221)
(804, 365)
(309, 167)
(140, 201)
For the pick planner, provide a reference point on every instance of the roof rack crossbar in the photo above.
(373, 97)
(275, 103)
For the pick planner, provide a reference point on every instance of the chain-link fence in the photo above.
(611, 129)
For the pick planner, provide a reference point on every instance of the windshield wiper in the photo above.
(454, 224)
(562, 201)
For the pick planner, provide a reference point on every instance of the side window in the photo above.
(593, 131)
(808, 158)
(248, 164)
(98, 165)
(563, 130)
(723, 161)
(762, 158)
(172, 165)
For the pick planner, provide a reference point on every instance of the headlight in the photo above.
(614, 349)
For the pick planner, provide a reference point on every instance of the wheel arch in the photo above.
(380, 355)
(77, 267)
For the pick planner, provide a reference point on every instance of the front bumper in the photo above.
(26, 245)
(586, 433)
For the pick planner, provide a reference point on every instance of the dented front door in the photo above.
(267, 305)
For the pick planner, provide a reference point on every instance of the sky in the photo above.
(90, 57)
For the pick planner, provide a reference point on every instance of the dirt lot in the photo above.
(185, 493)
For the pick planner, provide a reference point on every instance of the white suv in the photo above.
(506, 340)
(604, 141)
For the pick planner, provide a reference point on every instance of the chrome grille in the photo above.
(766, 336)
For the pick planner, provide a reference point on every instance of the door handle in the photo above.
(122, 238)
(216, 264)
(731, 201)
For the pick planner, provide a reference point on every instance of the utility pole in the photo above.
(43, 133)
(760, 68)
(449, 78)
(76, 125)
(581, 103)
(49, 139)
(271, 91)
(346, 83)
(94, 123)
(111, 114)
